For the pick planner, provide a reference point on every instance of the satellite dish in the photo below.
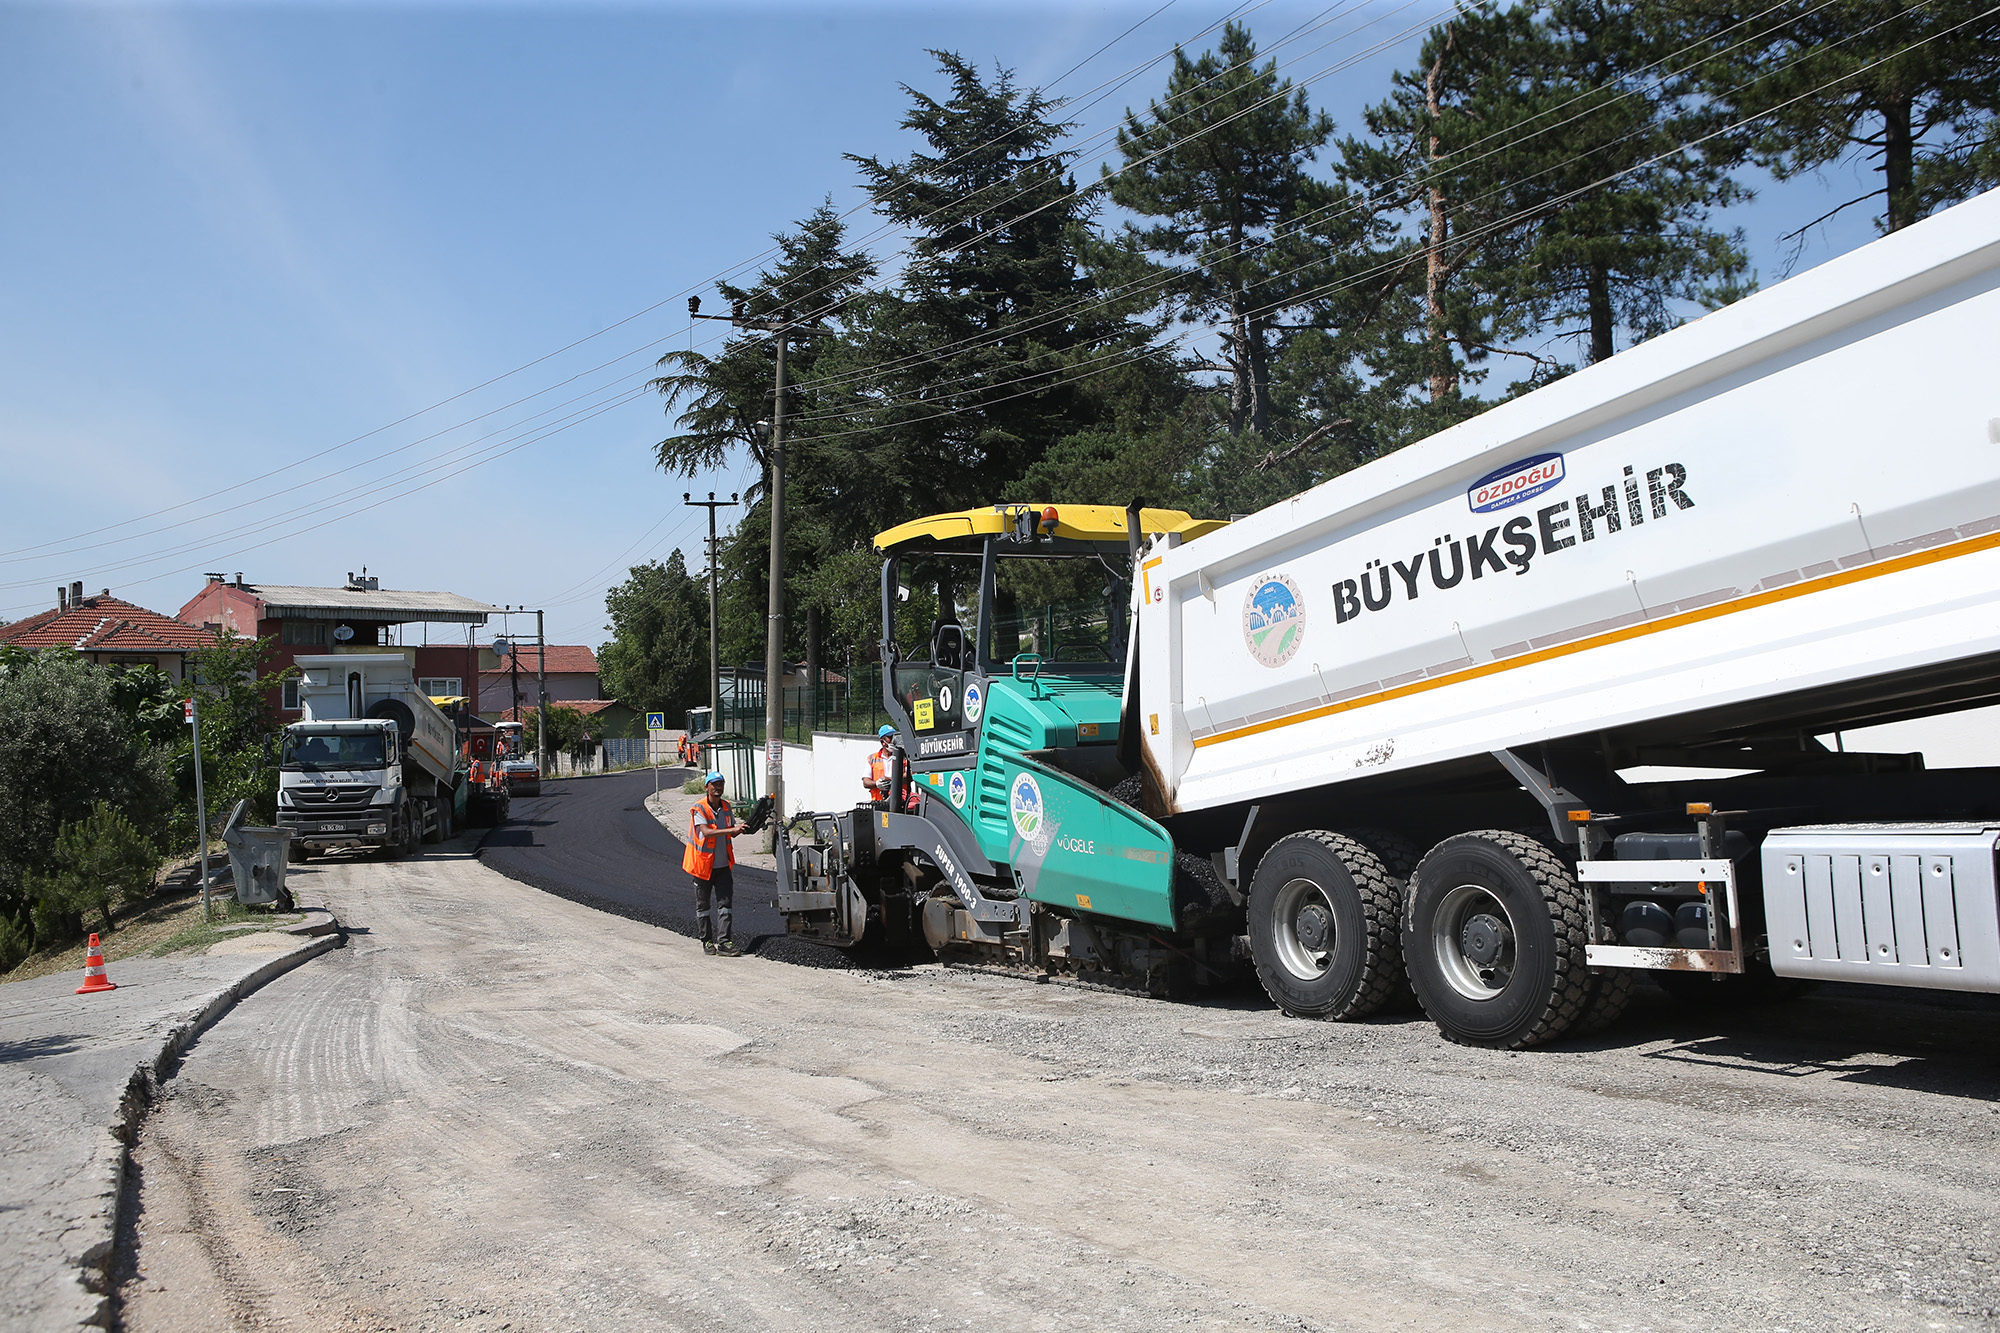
(342, 633)
(500, 647)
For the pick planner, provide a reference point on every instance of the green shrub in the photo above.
(98, 859)
(692, 787)
(17, 939)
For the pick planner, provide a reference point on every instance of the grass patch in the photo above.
(160, 925)
(197, 934)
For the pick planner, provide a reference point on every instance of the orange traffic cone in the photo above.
(93, 970)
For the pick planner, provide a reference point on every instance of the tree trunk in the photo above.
(1258, 361)
(1238, 341)
(1444, 374)
(1898, 164)
(1600, 312)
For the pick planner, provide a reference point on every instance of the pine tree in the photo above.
(1912, 88)
(1604, 172)
(1542, 157)
(999, 342)
(1221, 158)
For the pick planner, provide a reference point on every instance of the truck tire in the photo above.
(1323, 917)
(1399, 856)
(1494, 936)
(1610, 995)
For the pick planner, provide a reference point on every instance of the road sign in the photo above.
(187, 710)
(656, 721)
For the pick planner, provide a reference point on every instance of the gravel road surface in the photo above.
(502, 1109)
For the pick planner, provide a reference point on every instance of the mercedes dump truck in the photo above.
(372, 762)
(1500, 720)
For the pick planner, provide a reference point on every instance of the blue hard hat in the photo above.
(886, 730)
(712, 777)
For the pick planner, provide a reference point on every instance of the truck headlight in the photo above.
(378, 828)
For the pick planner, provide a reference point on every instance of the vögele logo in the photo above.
(1024, 802)
(1273, 619)
(1515, 483)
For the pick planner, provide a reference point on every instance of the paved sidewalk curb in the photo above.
(92, 1250)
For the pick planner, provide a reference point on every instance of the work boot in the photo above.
(708, 946)
(728, 949)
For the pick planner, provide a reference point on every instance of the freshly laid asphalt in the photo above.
(590, 840)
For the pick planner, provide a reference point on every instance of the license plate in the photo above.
(329, 828)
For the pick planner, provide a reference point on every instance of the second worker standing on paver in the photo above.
(712, 867)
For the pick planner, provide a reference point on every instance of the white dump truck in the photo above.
(372, 762)
(1777, 523)
(1500, 720)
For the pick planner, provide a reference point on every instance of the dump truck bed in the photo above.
(1789, 505)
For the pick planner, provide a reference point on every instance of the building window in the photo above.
(306, 633)
(290, 701)
(440, 687)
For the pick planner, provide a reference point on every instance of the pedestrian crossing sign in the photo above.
(656, 721)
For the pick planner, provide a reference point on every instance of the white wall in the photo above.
(827, 775)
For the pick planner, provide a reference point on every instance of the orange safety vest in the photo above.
(878, 774)
(699, 859)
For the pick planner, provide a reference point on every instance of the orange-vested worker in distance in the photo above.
(710, 860)
(878, 764)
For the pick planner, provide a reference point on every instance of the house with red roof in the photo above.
(359, 616)
(110, 631)
(572, 683)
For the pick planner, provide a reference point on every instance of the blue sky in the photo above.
(252, 237)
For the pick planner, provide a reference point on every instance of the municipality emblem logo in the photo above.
(975, 702)
(1274, 620)
(1024, 802)
(956, 790)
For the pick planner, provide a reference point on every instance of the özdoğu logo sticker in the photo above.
(1273, 619)
(1515, 483)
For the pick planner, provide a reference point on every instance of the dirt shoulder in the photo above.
(481, 1116)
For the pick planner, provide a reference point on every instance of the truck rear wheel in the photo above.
(1494, 938)
(1323, 917)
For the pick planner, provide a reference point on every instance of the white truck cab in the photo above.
(372, 762)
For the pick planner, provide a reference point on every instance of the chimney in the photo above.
(239, 578)
(62, 598)
(76, 594)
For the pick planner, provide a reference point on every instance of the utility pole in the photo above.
(541, 696)
(711, 504)
(780, 326)
(200, 800)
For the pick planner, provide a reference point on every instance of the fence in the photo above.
(853, 706)
(608, 756)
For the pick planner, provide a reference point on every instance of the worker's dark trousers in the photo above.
(720, 891)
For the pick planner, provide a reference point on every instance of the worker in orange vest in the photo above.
(878, 764)
(710, 860)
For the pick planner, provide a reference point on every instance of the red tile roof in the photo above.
(584, 706)
(563, 657)
(107, 625)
